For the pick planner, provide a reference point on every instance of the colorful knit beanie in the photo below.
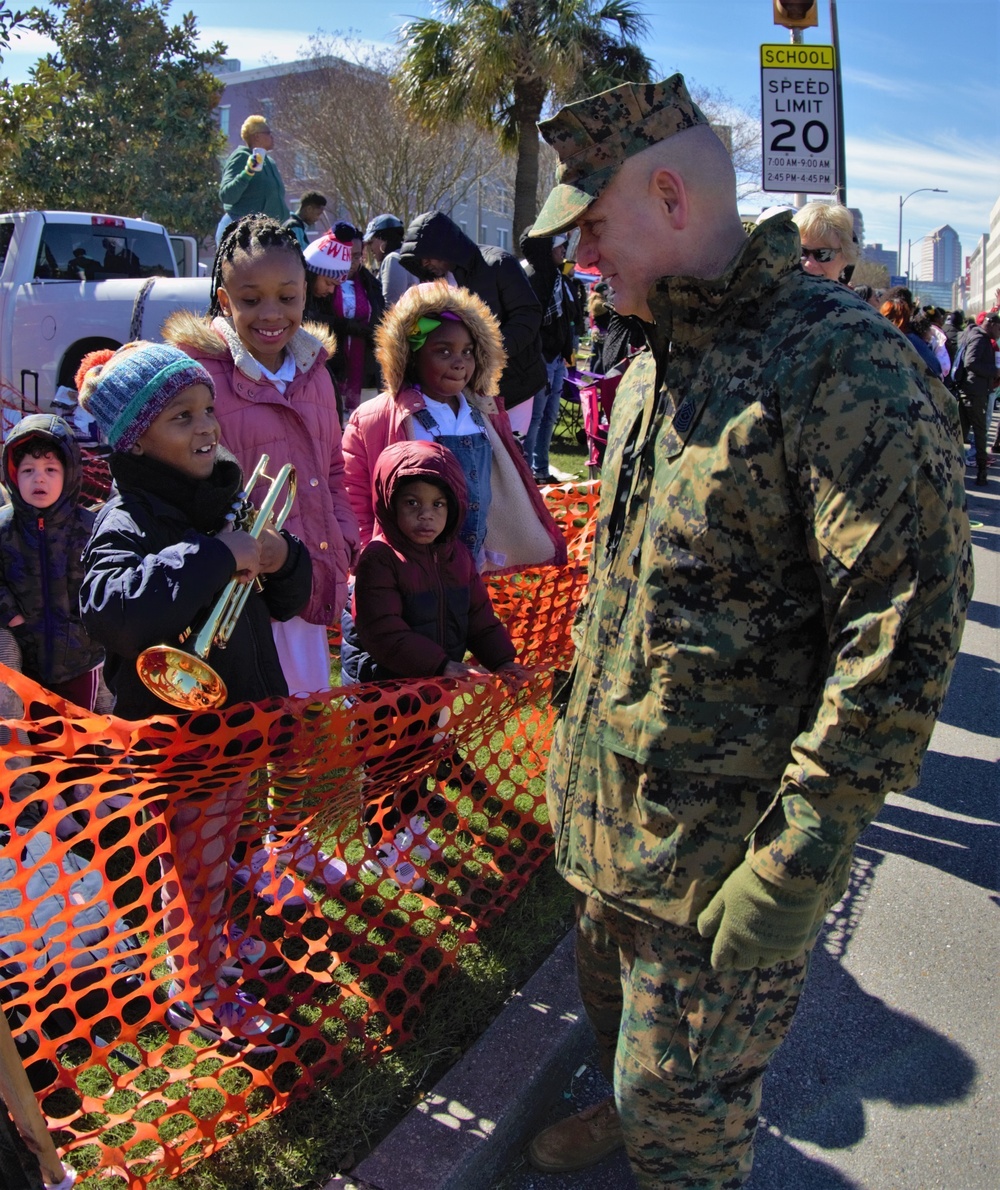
(330, 255)
(126, 390)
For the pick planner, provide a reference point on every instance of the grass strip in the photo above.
(336, 1125)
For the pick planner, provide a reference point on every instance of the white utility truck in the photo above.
(72, 282)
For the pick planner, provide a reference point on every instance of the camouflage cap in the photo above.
(594, 136)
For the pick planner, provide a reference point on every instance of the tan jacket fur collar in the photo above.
(218, 337)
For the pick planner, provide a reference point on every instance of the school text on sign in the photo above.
(799, 118)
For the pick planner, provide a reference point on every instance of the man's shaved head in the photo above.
(668, 211)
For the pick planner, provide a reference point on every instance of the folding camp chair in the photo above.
(596, 395)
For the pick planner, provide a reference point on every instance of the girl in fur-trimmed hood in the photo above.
(274, 396)
(441, 357)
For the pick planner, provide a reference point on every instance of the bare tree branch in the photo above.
(341, 118)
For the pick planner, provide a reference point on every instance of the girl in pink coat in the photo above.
(441, 356)
(274, 395)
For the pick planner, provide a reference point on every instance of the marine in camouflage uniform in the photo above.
(777, 591)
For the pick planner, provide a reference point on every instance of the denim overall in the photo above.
(475, 457)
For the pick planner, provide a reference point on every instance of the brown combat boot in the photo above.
(578, 1141)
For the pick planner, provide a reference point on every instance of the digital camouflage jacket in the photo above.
(777, 592)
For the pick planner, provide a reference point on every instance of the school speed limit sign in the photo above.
(799, 118)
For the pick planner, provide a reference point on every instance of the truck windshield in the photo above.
(80, 252)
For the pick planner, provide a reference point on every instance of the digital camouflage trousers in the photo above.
(685, 1046)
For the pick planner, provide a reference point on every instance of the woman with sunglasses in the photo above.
(829, 247)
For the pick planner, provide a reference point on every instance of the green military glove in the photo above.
(757, 924)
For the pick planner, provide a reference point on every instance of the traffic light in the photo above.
(796, 14)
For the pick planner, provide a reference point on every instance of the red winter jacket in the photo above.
(418, 607)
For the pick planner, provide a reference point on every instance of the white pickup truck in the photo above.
(72, 283)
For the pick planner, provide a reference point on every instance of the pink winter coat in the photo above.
(519, 526)
(300, 427)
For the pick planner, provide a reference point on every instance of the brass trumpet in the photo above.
(182, 676)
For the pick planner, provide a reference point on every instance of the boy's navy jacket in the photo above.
(417, 607)
(150, 575)
(41, 561)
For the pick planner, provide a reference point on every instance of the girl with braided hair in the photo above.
(273, 395)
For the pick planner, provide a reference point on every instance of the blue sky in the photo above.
(920, 83)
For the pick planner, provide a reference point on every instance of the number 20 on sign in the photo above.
(799, 118)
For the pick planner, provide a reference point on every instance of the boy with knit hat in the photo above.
(165, 544)
(163, 548)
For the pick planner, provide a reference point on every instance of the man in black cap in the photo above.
(779, 578)
(383, 237)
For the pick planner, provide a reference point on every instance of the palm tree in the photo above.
(496, 63)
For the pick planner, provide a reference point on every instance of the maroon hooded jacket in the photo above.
(417, 607)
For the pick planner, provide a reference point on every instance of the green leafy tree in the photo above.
(134, 133)
(499, 64)
(24, 107)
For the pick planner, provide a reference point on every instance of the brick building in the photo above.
(483, 209)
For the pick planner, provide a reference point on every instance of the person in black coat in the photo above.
(543, 260)
(162, 551)
(43, 531)
(162, 548)
(434, 247)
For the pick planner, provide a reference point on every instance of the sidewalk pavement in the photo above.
(888, 1080)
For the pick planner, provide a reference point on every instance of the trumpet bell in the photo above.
(181, 679)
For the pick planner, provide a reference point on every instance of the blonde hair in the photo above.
(252, 125)
(830, 222)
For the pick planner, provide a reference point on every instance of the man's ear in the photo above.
(668, 187)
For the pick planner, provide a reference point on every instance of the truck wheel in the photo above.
(74, 357)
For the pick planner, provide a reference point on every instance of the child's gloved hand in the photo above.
(512, 675)
(246, 552)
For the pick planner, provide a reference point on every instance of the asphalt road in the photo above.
(889, 1078)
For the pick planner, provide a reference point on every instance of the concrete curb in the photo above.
(463, 1134)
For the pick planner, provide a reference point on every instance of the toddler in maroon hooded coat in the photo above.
(419, 603)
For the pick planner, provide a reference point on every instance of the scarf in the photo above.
(205, 502)
(352, 347)
(553, 311)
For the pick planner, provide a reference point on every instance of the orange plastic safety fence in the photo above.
(201, 917)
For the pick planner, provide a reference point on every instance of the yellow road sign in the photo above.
(798, 57)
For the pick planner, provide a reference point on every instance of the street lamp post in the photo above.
(899, 242)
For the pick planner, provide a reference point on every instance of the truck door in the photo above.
(186, 255)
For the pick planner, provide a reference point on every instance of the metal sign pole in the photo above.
(799, 200)
(841, 190)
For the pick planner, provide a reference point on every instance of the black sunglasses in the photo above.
(823, 255)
